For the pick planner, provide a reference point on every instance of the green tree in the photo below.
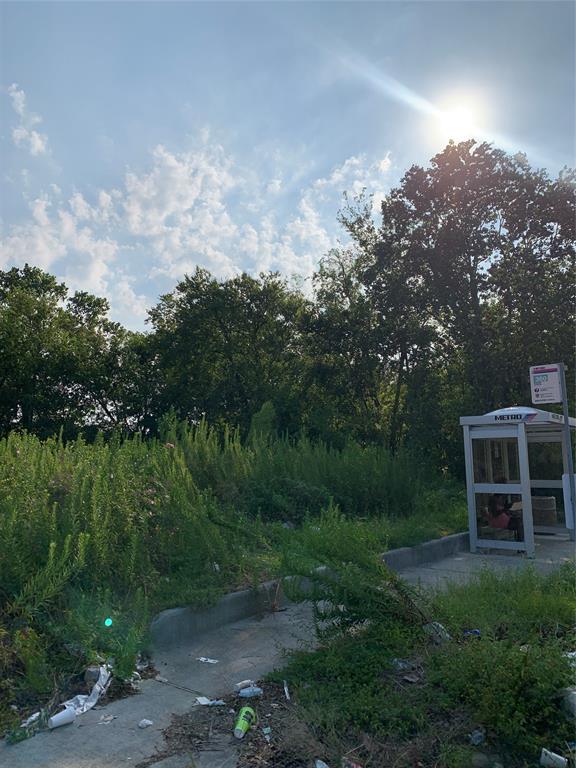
(469, 275)
(64, 364)
(227, 347)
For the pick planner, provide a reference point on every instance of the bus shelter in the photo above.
(517, 478)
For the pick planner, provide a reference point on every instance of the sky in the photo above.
(139, 140)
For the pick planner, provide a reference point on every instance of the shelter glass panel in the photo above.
(496, 460)
(545, 460)
(499, 516)
(548, 506)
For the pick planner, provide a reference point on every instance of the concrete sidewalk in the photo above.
(248, 648)
(551, 552)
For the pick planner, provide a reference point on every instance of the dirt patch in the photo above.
(288, 744)
(293, 743)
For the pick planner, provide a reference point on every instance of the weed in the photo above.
(126, 527)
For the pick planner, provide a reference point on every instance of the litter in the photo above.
(571, 656)
(412, 678)
(244, 684)
(252, 690)
(73, 707)
(267, 731)
(552, 760)
(83, 703)
(569, 701)
(206, 660)
(476, 737)
(105, 719)
(402, 664)
(437, 632)
(161, 679)
(206, 702)
(144, 723)
(67, 716)
(321, 764)
(91, 675)
(246, 719)
(471, 633)
(286, 691)
(30, 721)
(141, 664)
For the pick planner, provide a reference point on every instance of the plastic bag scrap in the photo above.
(552, 760)
(477, 737)
(206, 702)
(206, 660)
(403, 665)
(437, 632)
(82, 703)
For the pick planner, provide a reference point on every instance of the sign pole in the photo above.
(568, 441)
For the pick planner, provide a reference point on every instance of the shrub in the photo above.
(511, 691)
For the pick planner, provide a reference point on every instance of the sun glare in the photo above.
(458, 123)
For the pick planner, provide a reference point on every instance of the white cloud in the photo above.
(56, 236)
(312, 232)
(18, 99)
(128, 307)
(24, 135)
(274, 186)
(356, 174)
(80, 207)
(186, 209)
(179, 207)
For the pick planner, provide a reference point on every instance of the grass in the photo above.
(354, 697)
(124, 528)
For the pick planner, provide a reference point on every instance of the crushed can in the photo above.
(246, 719)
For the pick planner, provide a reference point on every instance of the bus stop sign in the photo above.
(545, 383)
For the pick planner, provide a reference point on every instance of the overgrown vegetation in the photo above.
(379, 687)
(123, 528)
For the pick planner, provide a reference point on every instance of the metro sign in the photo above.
(545, 383)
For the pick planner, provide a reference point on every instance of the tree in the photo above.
(227, 347)
(63, 364)
(469, 276)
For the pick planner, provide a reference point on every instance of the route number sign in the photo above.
(545, 383)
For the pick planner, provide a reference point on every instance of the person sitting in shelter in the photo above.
(501, 514)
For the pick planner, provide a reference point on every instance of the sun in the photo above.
(458, 123)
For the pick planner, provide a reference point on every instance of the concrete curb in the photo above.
(178, 626)
(428, 552)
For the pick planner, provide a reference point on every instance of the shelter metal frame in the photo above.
(525, 426)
